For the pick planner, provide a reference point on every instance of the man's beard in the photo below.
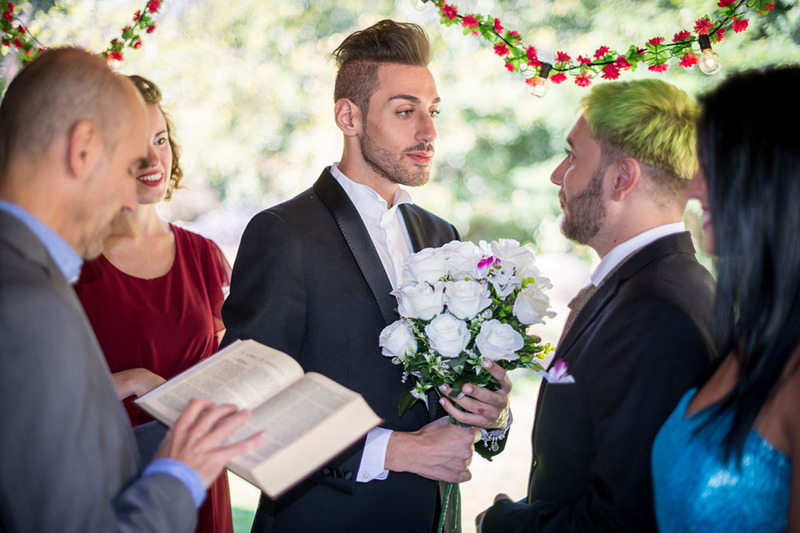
(585, 213)
(386, 165)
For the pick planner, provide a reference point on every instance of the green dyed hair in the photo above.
(651, 120)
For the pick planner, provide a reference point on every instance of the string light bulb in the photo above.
(420, 5)
(538, 84)
(709, 59)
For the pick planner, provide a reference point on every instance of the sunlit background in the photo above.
(249, 86)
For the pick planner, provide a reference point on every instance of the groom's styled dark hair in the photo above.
(361, 53)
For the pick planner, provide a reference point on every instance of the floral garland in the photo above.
(15, 35)
(605, 62)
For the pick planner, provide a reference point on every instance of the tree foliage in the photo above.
(249, 85)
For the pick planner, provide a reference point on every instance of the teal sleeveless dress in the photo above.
(696, 490)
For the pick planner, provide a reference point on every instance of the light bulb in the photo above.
(538, 84)
(709, 59)
(420, 5)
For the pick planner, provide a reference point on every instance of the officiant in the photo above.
(313, 278)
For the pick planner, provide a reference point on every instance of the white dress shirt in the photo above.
(621, 251)
(389, 234)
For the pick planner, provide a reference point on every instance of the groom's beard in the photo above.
(396, 169)
(585, 213)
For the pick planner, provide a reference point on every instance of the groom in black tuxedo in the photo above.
(637, 337)
(313, 278)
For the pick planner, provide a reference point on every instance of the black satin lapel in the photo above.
(419, 237)
(671, 244)
(357, 237)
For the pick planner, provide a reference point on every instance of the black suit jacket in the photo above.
(307, 280)
(637, 345)
(68, 460)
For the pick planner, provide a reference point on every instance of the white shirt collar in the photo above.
(368, 202)
(621, 251)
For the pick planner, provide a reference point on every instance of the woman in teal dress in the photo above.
(728, 458)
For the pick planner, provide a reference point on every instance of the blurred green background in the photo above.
(249, 86)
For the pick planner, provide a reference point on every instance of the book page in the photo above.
(245, 374)
(307, 424)
(291, 414)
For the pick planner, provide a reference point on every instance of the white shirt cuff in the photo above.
(373, 459)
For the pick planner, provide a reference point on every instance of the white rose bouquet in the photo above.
(460, 304)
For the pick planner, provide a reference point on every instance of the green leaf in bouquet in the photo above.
(407, 401)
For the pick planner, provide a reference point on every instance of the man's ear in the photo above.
(348, 117)
(626, 178)
(84, 148)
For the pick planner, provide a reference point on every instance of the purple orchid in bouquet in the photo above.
(462, 303)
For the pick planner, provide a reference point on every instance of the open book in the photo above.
(308, 418)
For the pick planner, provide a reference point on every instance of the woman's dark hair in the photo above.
(750, 153)
(152, 96)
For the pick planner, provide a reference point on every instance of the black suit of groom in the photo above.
(308, 281)
(636, 346)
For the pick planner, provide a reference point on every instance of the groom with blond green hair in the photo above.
(637, 335)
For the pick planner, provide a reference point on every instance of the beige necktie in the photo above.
(576, 304)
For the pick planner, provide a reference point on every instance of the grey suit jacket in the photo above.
(68, 460)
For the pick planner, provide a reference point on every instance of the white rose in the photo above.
(498, 341)
(427, 265)
(465, 299)
(420, 300)
(397, 340)
(511, 252)
(462, 259)
(531, 305)
(448, 335)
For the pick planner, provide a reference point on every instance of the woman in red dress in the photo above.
(154, 296)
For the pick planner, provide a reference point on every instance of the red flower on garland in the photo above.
(533, 57)
(7, 15)
(498, 28)
(689, 60)
(470, 21)
(583, 80)
(17, 43)
(137, 44)
(681, 36)
(658, 68)
(656, 40)
(137, 16)
(558, 77)
(724, 3)
(562, 57)
(740, 25)
(622, 62)
(610, 72)
(449, 11)
(601, 52)
(151, 29)
(584, 60)
(510, 67)
(702, 26)
(501, 49)
(153, 5)
(720, 34)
